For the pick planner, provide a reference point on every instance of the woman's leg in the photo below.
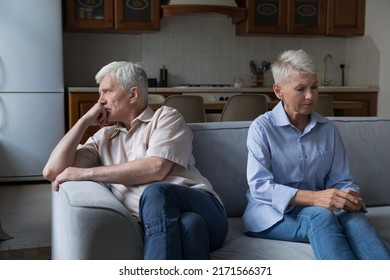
(362, 237)
(162, 206)
(316, 225)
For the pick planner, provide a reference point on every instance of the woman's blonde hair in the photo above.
(292, 62)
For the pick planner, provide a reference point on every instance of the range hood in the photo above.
(226, 7)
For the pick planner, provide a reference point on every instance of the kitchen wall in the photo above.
(204, 49)
(377, 24)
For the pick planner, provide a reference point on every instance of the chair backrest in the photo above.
(207, 97)
(244, 107)
(324, 105)
(156, 98)
(190, 106)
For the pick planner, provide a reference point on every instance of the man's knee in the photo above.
(153, 193)
(190, 221)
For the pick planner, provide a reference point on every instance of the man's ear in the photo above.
(134, 94)
(278, 91)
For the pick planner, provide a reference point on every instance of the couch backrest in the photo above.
(367, 142)
(221, 155)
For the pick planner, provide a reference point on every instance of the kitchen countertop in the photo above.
(234, 89)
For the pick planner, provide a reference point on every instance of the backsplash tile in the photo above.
(203, 48)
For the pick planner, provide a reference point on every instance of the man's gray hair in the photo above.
(128, 74)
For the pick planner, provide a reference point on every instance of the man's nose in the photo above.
(101, 99)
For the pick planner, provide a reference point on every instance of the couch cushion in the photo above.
(221, 156)
(379, 218)
(238, 246)
(366, 141)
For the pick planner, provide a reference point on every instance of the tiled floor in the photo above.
(25, 214)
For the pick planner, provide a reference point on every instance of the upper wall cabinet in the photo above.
(346, 17)
(264, 17)
(304, 17)
(103, 15)
(284, 17)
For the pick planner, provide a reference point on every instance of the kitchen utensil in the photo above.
(259, 71)
(253, 67)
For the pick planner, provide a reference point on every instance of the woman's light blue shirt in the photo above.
(282, 160)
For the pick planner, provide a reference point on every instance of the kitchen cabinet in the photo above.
(105, 15)
(78, 104)
(306, 17)
(264, 17)
(284, 17)
(303, 17)
(368, 99)
(346, 17)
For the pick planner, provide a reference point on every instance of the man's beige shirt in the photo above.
(163, 133)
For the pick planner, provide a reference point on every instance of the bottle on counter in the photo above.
(163, 76)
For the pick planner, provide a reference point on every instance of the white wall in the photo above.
(195, 48)
(377, 27)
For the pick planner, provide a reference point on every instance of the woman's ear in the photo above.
(278, 91)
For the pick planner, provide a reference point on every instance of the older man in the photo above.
(146, 159)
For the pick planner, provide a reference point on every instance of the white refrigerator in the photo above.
(31, 86)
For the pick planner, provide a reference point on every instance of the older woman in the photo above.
(301, 188)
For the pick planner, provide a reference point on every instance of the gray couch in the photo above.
(89, 223)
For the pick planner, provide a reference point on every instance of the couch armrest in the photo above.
(88, 222)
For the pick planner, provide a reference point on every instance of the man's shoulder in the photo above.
(167, 112)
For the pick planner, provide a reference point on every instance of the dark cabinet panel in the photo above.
(130, 15)
(307, 17)
(264, 17)
(137, 14)
(303, 17)
(97, 14)
(346, 17)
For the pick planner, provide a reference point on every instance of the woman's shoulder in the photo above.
(264, 120)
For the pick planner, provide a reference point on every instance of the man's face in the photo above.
(114, 99)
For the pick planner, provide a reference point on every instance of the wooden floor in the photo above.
(25, 214)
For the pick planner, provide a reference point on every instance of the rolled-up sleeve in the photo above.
(260, 177)
(171, 139)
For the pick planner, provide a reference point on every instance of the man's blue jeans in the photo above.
(332, 235)
(180, 222)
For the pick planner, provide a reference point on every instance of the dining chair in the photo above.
(244, 107)
(207, 97)
(156, 98)
(324, 105)
(3, 234)
(190, 106)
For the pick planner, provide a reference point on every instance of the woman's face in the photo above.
(299, 94)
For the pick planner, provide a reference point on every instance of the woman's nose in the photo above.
(310, 94)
